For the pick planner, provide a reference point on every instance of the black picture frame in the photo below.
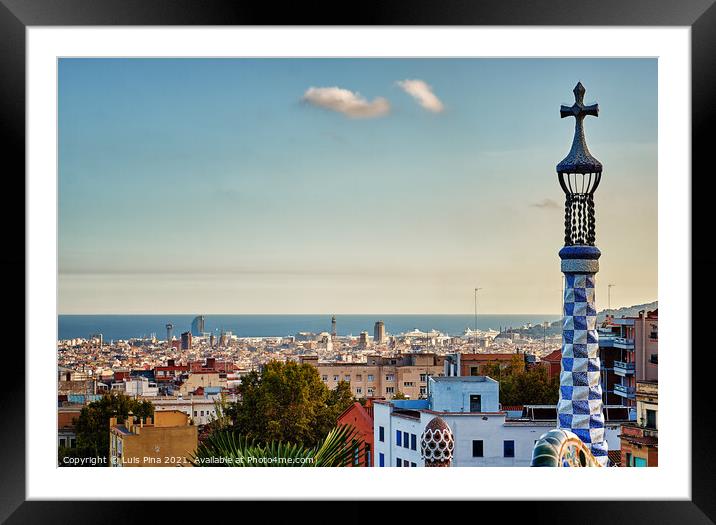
(16, 15)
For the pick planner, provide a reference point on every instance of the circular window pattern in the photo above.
(437, 444)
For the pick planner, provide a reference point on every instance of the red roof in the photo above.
(553, 356)
(512, 408)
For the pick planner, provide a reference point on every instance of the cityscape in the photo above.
(138, 387)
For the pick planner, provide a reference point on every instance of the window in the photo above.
(368, 460)
(201, 413)
(413, 442)
(359, 390)
(650, 418)
(390, 377)
(194, 413)
(335, 378)
(390, 390)
(371, 390)
(413, 464)
(381, 434)
(359, 377)
(628, 460)
(407, 383)
(381, 459)
(475, 403)
(509, 448)
(347, 377)
(406, 463)
(398, 437)
(406, 440)
(398, 462)
(640, 462)
(324, 377)
(370, 377)
(478, 448)
(423, 377)
(423, 390)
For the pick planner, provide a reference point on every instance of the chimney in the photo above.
(170, 362)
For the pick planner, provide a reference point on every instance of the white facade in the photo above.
(201, 410)
(140, 386)
(482, 439)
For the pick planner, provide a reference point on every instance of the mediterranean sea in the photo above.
(244, 325)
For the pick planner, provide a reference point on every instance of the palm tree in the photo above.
(226, 448)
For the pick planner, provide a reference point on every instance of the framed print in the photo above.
(418, 238)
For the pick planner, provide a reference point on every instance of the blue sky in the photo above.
(215, 186)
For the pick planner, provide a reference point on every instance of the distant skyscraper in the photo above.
(197, 326)
(170, 333)
(212, 340)
(379, 333)
(363, 341)
(186, 341)
(333, 327)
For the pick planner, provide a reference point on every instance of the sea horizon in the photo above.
(128, 326)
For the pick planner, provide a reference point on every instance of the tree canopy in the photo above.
(520, 385)
(287, 402)
(92, 426)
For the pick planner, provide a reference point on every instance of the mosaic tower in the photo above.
(580, 399)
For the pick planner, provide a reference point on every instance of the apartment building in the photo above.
(640, 440)
(629, 352)
(381, 376)
(167, 441)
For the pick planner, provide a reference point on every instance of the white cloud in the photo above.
(347, 102)
(423, 93)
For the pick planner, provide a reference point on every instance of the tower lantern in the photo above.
(580, 407)
(579, 176)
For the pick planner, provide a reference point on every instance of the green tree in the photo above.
(520, 385)
(92, 426)
(287, 402)
(399, 395)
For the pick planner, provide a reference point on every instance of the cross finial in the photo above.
(578, 110)
(579, 160)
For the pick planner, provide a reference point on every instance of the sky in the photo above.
(345, 185)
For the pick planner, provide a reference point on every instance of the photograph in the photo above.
(357, 262)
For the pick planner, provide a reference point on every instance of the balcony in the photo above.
(624, 343)
(624, 391)
(606, 340)
(623, 369)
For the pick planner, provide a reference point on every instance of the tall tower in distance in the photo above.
(379, 333)
(197, 326)
(186, 341)
(170, 330)
(333, 328)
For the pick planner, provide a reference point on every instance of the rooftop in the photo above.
(463, 379)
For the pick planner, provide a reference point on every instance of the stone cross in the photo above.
(578, 110)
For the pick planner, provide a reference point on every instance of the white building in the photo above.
(484, 435)
(140, 387)
(201, 409)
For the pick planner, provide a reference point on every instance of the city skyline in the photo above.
(344, 185)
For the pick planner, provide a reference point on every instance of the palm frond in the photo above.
(226, 448)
